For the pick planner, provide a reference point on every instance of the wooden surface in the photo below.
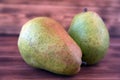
(14, 13)
(12, 66)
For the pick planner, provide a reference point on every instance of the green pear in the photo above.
(43, 43)
(91, 34)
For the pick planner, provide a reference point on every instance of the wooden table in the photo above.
(14, 13)
(12, 66)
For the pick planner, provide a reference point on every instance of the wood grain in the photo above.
(12, 66)
(14, 13)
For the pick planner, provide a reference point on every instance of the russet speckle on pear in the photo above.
(43, 43)
(91, 34)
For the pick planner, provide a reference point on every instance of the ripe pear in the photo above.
(43, 43)
(91, 34)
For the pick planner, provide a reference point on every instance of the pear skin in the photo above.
(91, 34)
(43, 43)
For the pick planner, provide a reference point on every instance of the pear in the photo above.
(91, 34)
(43, 43)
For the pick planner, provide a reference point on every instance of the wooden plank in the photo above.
(11, 22)
(13, 67)
(13, 14)
(66, 3)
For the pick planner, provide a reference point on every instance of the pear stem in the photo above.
(85, 9)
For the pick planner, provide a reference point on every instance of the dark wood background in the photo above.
(14, 13)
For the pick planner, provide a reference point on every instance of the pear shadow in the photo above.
(84, 64)
(44, 73)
